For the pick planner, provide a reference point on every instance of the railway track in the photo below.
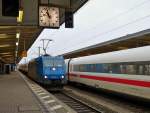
(80, 105)
(117, 103)
(77, 105)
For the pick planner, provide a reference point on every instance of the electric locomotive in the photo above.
(48, 71)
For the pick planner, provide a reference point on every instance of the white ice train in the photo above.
(125, 71)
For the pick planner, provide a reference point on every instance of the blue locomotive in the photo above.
(48, 71)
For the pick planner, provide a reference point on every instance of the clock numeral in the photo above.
(45, 8)
(43, 15)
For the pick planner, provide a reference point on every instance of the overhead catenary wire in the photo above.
(112, 19)
(97, 36)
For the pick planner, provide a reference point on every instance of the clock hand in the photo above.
(48, 14)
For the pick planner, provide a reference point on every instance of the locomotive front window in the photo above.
(48, 63)
(53, 63)
(58, 63)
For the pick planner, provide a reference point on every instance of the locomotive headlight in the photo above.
(45, 77)
(53, 69)
(62, 76)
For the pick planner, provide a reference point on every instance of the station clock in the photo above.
(49, 16)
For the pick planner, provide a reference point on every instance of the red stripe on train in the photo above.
(116, 80)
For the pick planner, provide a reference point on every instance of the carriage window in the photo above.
(123, 69)
(81, 68)
(115, 68)
(147, 70)
(76, 68)
(105, 68)
(141, 69)
(131, 69)
(92, 68)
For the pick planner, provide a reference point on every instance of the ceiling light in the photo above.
(5, 45)
(16, 53)
(3, 35)
(17, 43)
(17, 35)
(5, 53)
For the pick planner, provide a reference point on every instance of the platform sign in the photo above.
(10, 8)
(24, 53)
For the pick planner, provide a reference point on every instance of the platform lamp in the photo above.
(20, 16)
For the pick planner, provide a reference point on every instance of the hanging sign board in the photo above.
(24, 53)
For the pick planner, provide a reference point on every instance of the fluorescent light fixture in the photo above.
(3, 35)
(20, 18)
(5, 45)
(17, 35)
(17, 43)
(16, 52)
(5, 53)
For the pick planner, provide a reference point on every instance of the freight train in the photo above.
(125, 71)
(46, 70)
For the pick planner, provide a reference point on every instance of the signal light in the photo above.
(68, 19)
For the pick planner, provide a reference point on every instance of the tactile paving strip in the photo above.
(51, 104)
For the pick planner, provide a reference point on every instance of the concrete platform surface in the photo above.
(16, 96)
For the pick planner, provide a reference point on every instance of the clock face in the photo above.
(48, 16)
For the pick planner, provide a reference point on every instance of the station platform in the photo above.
(18, 94)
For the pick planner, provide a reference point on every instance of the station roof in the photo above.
(28, 29)
(138, 39)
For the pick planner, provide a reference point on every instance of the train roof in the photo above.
(129, 55)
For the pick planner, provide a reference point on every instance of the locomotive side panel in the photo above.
(32, 70)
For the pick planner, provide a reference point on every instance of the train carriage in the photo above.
(125, 71)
